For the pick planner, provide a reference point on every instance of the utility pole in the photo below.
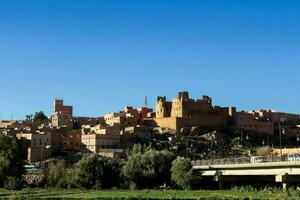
(212, 140)
(41, 153)
(186, 147)
(279, 125)
(146, 101)
(42, 157)
(242, 136)
(211, 150)
(298, 139)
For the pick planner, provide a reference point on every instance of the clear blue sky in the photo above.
(102, 55)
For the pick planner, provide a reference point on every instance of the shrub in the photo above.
(55, 173)
(69, 179)
(14, 183)
(246, 188)
(264, 151)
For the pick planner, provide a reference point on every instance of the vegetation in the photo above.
(91, 172)
(147, 194)
(37, 119)
(182, 173)
(148, 168)
(145, 168)
(112, 174)
(264, 151)
(55, 174)
(11, 165)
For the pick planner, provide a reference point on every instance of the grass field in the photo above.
(144, 194)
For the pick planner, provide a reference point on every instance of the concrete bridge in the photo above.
(280, 172)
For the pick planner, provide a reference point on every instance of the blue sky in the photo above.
(100, 55)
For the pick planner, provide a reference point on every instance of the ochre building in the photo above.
(184, 111)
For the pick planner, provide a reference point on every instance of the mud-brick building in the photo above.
(184, 111)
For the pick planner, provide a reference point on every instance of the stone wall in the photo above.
(209, 120)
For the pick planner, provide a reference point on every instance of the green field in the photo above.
(143, 194)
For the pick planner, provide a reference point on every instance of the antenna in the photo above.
(146, 101)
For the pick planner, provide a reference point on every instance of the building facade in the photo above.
(63, 115)
(62, 109)
(266, 122)
(121, 119)
(37, 145)
(184, 111)
(93, 139)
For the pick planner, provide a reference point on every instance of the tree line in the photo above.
(144, 168)
(11, 163)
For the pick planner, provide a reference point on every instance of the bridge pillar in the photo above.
(219, 179)
(221, 185)
(282, 179)
(285, 185)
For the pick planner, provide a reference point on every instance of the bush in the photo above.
(69, 179)
(55, 173)
(264, 151)
(247, 188)
(13, 183)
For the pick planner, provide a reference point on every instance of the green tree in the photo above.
(89, 172)
(149, 168)
(4, 167)
(29, 117)
(112, 173)
(11, 163)
(162, 166)
(133, 170)
(39, 117)
(182, 173)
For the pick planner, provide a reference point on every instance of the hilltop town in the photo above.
(194, 128)
(100, 99)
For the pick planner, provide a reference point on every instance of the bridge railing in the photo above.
(240, 160)
(223, 161)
